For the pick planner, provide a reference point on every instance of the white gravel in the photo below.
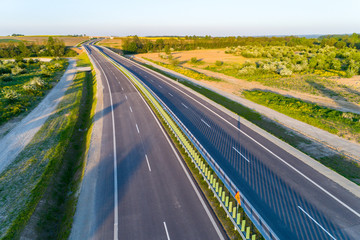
(14, 142)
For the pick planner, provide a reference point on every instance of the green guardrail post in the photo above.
(248, 233)
(227, 201)
(223, 197)
(253, 237)
(234, 213)
(217, 186)
(230, 207)
(243, 225)
(220, 191)
(211, 179)
(238, 218)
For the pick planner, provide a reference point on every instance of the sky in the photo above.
(179, 17)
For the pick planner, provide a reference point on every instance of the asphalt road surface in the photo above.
(295, 200)
(142, 190)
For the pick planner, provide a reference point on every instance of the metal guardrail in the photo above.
(167, 116)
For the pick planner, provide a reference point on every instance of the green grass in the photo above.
(9, 40)
(341, 123)
(337, 162)
(28, 100)
(54, 157)
(185, 71)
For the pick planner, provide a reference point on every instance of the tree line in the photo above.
(134, 44)
(54, 47)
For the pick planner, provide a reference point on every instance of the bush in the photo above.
(7, 78)
(10, 95)
(193, 60)
(219, 63)
(17, 70)
(38, 82)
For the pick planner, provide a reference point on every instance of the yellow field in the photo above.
(69, 41)
(113, 43)
(208, 56)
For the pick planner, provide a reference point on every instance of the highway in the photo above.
(295, 200)
(142, 190)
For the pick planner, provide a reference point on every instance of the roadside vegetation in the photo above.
(343, 124)
(42, 183)
(185, 71)
(24, 83)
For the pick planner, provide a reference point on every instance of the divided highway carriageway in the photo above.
(296, 201)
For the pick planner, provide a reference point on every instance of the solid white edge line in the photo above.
(268, 150)
(167, 233)
(116, 212)
(137, 128)
(147, 160)
(240, 154)
(317, 223)
(205, 123)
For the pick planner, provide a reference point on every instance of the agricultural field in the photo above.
(24, 83)
(40, 40)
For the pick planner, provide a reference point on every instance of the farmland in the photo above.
(40, 40)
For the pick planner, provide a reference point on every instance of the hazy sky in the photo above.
(179, 17)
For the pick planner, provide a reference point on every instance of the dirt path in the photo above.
(12, 143)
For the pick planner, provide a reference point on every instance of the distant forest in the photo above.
(52, 48)
(134, 44)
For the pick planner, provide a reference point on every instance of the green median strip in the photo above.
(210, 183)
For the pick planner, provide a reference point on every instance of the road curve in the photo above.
(294, 199)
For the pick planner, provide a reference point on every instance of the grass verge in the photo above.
(343, 124)
(333, 160)
(49, 169)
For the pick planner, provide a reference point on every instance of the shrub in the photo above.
(17, 70)
(219, 63)
(285, 72)
(194, 60)
(38, 82)
(7, 78)
(10, 95)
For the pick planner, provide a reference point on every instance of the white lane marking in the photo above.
(147, 160)
(213, 222)
(130, 109)
(241, 154)
(126, 97)
(160, 86)
(122, 88)
(205, 123)
(116, 211)
(137, 128)
(159, 76)
(317, 223)
(171, 94)
(167, 234)
(151, 80)
(184, 105)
